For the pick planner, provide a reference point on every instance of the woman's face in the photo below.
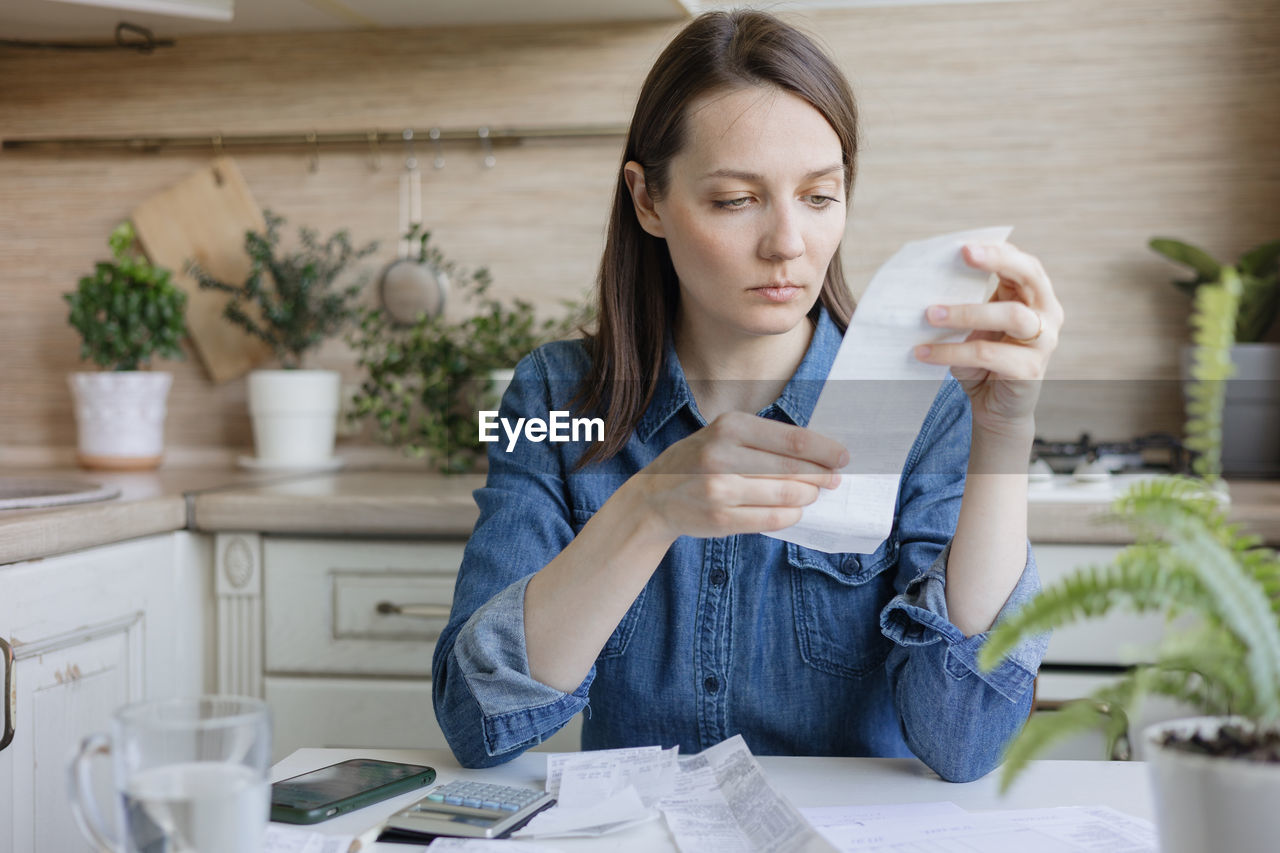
(753, 212)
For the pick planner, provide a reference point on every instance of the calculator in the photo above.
(469, 810)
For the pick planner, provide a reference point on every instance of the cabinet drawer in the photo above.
(321, 605)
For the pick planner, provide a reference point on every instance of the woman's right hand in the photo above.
(740, 474)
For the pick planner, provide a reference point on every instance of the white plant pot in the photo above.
(501, 381)
(120, 418)
(1207, 803)
(295, 414)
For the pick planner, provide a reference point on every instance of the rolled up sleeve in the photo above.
(918, 617)
(515, 710)
(487, 704)
(954, 716)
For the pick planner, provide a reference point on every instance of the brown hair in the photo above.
(637, 289)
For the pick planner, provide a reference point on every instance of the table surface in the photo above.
(804, 781)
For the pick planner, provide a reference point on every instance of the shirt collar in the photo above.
(796, 401)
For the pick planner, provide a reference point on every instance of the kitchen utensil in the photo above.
(411, 286)
(204, 218)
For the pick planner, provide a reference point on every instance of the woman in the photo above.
(629, 578)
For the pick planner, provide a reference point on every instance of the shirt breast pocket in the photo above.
(621, 635)
(837, 600)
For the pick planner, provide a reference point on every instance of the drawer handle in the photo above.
(421, 611)
(10, 696)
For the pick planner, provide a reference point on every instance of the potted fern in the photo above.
(291, 301)
(1251, 414)
(427, 380)
(1216, 778)
(127, 312)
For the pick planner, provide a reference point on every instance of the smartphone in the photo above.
(343, 787)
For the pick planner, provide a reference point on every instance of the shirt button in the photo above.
(718, 577)
(712, 684)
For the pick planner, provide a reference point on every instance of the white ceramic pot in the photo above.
(500, 379)
(1205, 803)
(295, 414)
(120, 418)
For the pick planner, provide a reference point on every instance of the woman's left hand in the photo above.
(1001, 362)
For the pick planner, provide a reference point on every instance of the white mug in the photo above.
(190, 776)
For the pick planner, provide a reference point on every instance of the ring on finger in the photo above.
(1036, 336)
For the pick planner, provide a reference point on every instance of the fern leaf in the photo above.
(1211, 687)
(1103, 709)
(1150, 506)
(1142, 576)
(1213, 325)
(1241, 603)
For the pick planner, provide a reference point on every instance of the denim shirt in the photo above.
(799, 651)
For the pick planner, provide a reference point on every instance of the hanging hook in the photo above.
(217, 154)
(314, 164)
(375, 153)
(487, 146)
(434, 133)
(410, 186)
(410, 161)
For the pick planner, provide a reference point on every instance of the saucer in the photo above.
(253, 463)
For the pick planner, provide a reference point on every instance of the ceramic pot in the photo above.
(1208, 803)
(499, 380)
(120, 418)
(1251, 411)
(295, 415)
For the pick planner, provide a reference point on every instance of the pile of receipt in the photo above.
(720, 801)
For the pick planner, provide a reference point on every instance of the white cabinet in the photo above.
(346, 630)
(91, 631)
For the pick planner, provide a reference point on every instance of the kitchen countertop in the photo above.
(388, 503)
(1254, 503)
(150, 502)
(381, 503)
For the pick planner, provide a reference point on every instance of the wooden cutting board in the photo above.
(204, 218)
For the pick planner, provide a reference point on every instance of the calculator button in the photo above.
(470, 803)
(436, 797)
(509, 807)
(453, 800)
(492, 805)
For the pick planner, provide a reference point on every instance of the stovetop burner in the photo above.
(1087, 471)
(1157, 452)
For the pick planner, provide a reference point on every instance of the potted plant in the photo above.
(427, 380)
(127, 312)
(291, 301)
(1251, 419)
(1216, 778)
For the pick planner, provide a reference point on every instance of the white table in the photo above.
(805, 781)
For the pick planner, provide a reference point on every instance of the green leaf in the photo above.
(1242, 607)
(291, 300)
(1204, 264)
(1104, 709)
(127, 311)
(1261, 261)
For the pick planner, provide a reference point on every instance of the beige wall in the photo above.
(1089, 125)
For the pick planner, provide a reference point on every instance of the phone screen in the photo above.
(338, 782)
